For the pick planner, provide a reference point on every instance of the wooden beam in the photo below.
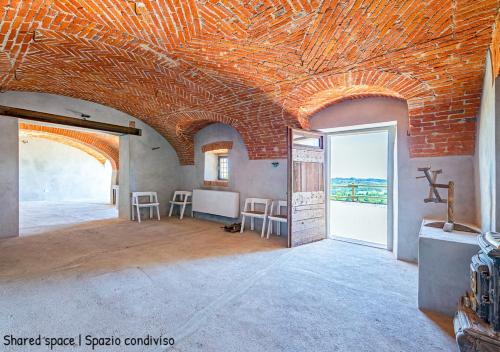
(67, 121)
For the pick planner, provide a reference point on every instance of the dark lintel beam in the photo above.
(67, 121)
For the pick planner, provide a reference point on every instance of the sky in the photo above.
(362, 155)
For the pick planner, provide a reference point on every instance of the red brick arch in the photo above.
(315, 94)
(217, 145)
(438, 124)
(100, 147)
(188, 124)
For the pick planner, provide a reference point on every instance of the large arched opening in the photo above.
(66, 177)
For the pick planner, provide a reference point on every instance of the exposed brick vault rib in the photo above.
(495, 48)
(99, 146)
(257, 65)
(217, 146)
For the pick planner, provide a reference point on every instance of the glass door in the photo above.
(360, 186)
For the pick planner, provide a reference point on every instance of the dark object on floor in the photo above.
(236, 227)
(472, 333)
(477, 322)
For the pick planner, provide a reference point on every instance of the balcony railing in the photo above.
(359, 193)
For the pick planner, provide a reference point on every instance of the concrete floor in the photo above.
(42, 216)
(212, 291)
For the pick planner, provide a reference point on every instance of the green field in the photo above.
(360, 190)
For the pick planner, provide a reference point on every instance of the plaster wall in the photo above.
(9, 177)
(52, 171)
(149, 170)
(125, 173)
(485, 157)
(251, 178)
(497, 150)
(410, 208)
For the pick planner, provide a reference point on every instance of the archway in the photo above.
(65, 177)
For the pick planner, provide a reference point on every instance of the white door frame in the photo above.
(390, 127)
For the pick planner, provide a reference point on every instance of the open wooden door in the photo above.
(306, 187)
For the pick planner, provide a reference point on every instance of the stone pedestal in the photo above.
(443, 268)
(473, 334)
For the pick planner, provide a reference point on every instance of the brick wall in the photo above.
(258, 66)
(495, 48)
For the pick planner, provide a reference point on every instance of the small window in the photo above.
(223, 166)
(216, 167)
(305, 139)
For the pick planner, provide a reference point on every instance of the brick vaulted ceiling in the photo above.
(257, 65)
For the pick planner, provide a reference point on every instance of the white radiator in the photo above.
(221, 203)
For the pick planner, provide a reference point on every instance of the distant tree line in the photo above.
(359, 190)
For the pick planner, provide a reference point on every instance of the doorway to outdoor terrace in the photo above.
(360, 186)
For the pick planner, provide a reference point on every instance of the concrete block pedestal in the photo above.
(443, 268)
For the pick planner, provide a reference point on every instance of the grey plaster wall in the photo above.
(9, 177)
(485, 157)
(52, 171)
(153, 170)
(410, 192)
(125, 173)
(251, 178)
(497, 151)
(150, 170)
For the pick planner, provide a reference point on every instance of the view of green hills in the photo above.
(361, 190)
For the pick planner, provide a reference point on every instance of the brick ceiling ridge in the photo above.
(257, 65)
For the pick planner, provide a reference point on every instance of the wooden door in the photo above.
(306, 187)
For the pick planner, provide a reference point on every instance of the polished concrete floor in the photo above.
(42, 216)
(211, 291)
